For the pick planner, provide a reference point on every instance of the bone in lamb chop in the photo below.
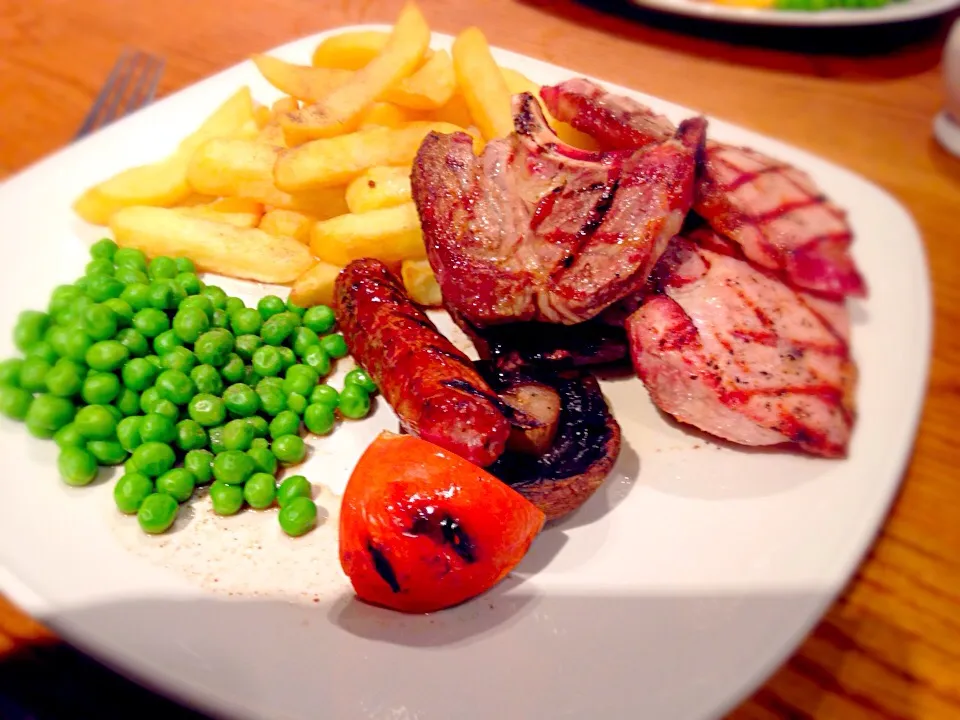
(535, 230)
(729, 348)
(780, 219)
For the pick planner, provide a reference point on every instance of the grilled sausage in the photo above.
(430, 384)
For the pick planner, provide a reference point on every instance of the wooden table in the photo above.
(890, 647)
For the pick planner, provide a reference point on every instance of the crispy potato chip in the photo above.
(519, 83)
(287, 223)
(240, 212)
(379, 187)
(303, 82)
(350, 50)
(482, 85)
(383, 114)
(315, 286)
(337, 160)
(391, 235)
(428, 88)
(244, 168)
(339, 111)
(420, 282)
(217, 247)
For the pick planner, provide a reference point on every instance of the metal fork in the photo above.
(131, 85)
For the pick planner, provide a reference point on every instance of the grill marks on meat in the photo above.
(537, 230)
(732, 350)
(772, 210)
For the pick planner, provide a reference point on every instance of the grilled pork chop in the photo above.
(537, 230)
(726, 347)
(773, 211)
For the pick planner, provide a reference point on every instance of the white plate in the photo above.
(678, 588)
(893, 13)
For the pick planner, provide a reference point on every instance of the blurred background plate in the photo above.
(892, 13)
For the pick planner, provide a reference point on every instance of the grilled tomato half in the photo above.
(422, 529)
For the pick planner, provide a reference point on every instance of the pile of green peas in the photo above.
(140, 363)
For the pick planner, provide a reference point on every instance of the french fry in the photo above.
(519, 83)
(391, 235)
(338, 160)
(384, 114)
(248, 253)
(428, 88)
(236, 211)
(455, 111)
(379, 187)
(163, 183)
(420, 282)
(287, 223)
(284, 105)
(350, 50)
(339, 111)
(303, 82)
(315, 286)
(244, 168)
(262, 114)
(271, 134)
(482, 84)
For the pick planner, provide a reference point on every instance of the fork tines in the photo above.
(131, 84)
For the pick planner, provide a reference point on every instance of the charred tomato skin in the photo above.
(422, 529)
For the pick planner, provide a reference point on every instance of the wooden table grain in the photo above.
(890, 647)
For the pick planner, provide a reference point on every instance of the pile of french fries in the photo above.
(293, 192)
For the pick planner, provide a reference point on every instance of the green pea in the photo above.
(354, 402)
(237, 435)
(30, 328)
(138, 374)
(207, 379)
(106, 355)
(190, 435)
(259, 442)
(62, 297)
(234, 369)
(172, 294)
(260, 490)
(137, 296)
(107, 452)
(214, 347)
(286, 422)
(76, 344)
(250, 376)
(303, 339)
(207, 409)
(157, 513)
(232, 467)
(185, 265)
(69, 436)
(100, 388)
(178, 483)
(129, 276)
(105, 248)
(287, 356)
(44, 351)
(324, 395)
(200, 302)
(122, 310)
(246, 345)
(266, 361)
(135, 343)
(264, 460)
(175, 386)
(295, 309)
(259, 425)
(99, 266)
(128, 432)
(130, 257)
(278, 328)
(200, 465)
(232, 305)
(166, 342)
(103, 287)
(151, 322)
(127, 402)
(190, 324)
(272, 400)
(215, 435)
(293, 487)
(335, 345)
(289, 449)
(57, 337)
(157, 428)
(269, 306)
(156, 362)
(33, 374)
(10, 371)
(189, 282)
(226, 499)
(298, 517)
(162, 267)
(360, 377)
(95, 422)
(153, 459)
(179, 359)
(246, 321)
(49, 413)
(273, 383)
(167, 408)
(297, 403)
(99, 322)
(300, 379)
(220, 319)
(319, 418)
(217, 296)
(65, 378)
(14, 402)
(77, 466)
(317, 359)
(149, 399)
(130, 492)
(320, 319)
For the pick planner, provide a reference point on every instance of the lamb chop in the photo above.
(535, 230)
(773, 211)
(729, 348)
